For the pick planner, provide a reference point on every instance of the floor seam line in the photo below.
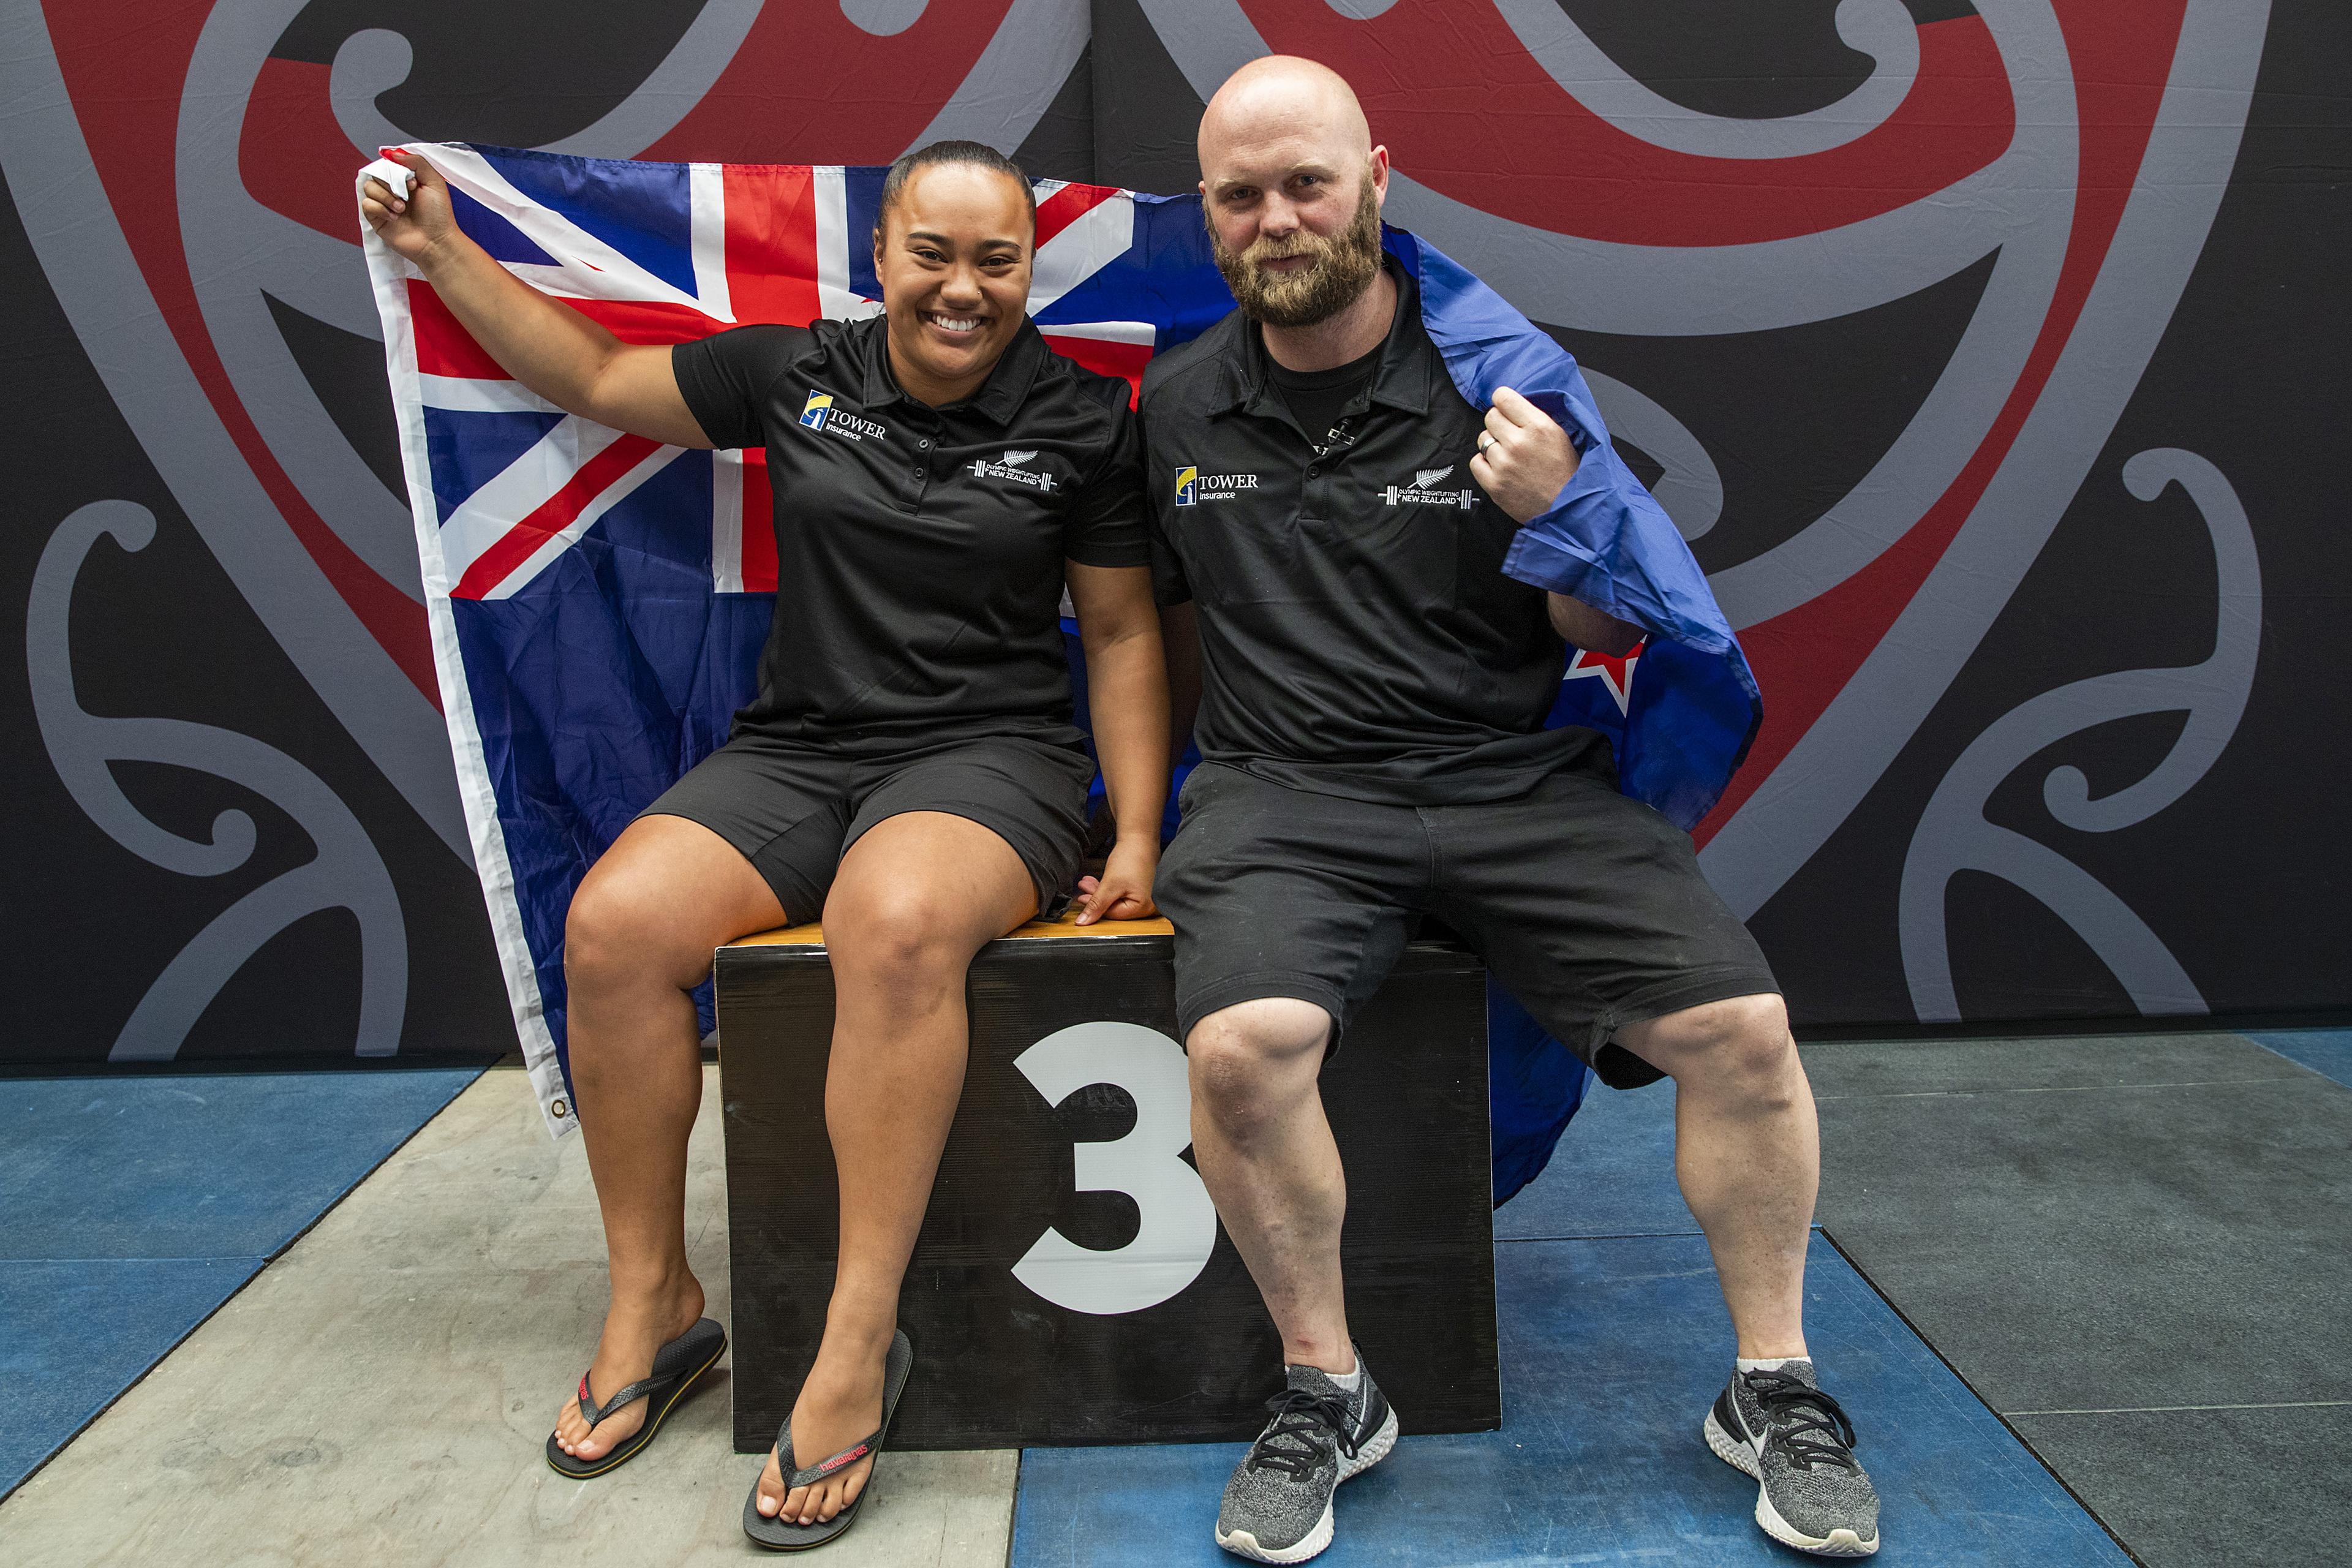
(2187, 1409)
(1608, 1236)
(143, 1257)
(2058, 1088)
(1620, 1235)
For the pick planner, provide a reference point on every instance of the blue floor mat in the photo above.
(130, 1208)
(74, 1333)
(2326, 1051)
(213, 1166)
(1613, 1174)
(1611, 1351)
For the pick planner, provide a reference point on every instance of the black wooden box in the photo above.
(1044, 1314)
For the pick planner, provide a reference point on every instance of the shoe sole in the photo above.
(1241, 1543)
(1741, 1457)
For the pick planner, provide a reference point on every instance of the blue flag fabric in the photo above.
(598, 602)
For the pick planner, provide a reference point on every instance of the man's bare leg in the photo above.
(1748, 1151)
(915, 897)
(1268, 1157)
(637, 941)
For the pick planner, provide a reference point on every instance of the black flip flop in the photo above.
(676, 1367)
(780, 1535)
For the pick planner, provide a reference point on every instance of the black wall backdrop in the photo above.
(1992, 357)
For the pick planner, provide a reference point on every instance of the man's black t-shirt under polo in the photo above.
(1358, 636)
(919, 549)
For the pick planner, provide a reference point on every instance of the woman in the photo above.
(908, 771)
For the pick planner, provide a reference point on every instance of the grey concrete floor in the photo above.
(2135, 1248)
(380, 1395)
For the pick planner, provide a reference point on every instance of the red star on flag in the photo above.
(1616, 674)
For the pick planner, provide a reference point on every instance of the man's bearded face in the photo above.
(1344, 266)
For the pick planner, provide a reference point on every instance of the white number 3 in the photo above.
(1180, 1224)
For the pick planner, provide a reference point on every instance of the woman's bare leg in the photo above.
(914, 899)
(637, 941)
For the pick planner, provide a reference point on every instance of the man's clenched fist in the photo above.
(1524, 457)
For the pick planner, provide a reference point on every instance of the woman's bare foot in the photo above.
(636, 1325)
(840, 1404)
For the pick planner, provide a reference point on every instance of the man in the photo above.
(1371, 694)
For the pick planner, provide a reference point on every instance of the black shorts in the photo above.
(1585, 904)
(792, 808)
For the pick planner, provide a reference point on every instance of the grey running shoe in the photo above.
(1812, 1494)
(1278, 1507)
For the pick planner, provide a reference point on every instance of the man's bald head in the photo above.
(1285, 99)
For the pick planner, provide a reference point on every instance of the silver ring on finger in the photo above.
(1486, 440)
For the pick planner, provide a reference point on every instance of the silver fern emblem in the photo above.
(1014, 460)
(1425, 477)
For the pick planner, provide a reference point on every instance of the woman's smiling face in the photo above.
(953, 258)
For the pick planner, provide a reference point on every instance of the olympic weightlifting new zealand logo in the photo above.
(1014, 466)
(1419, 492)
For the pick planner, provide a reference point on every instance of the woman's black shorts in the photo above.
(792, 808)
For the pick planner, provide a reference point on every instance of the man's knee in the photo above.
(1247, 1061)
(1741, 1042)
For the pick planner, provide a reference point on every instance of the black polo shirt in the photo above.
(1358, 636)
(919, 551)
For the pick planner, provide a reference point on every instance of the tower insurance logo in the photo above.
(819, 414)
(1192, 486)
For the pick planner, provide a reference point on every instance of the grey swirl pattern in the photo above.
(1953, 836)
(346, 873)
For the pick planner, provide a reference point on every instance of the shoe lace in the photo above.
(1303, 1422)
(1811, 1426)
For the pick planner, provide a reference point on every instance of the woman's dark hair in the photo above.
(979, 155)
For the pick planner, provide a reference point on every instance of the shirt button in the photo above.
(925, 442)
(1312, 471)
(919, 474)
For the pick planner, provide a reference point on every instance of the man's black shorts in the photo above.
(793, 808)
(1587, 905)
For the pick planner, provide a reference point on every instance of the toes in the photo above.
(568, 1429)
(771, 1486)
(833, 1494)
(608, 1437)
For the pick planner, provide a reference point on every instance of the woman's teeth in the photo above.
(953, 323)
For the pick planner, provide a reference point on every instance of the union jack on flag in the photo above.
(598, 600)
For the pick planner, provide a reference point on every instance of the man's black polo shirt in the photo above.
(1358, 636)
(919, 551)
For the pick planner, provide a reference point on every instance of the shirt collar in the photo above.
(1401, 378)
(1000, 397)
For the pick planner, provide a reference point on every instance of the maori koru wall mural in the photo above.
(1988, 355)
